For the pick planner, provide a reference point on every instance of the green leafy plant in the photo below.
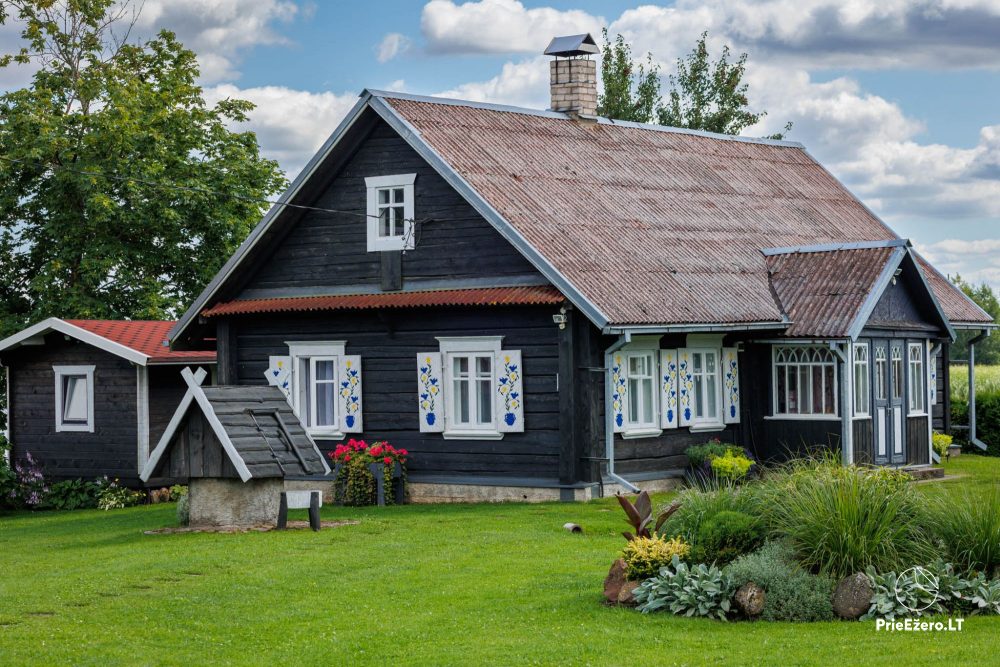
(26, 487)
(901, 595)
(355, 484)
(986, 597)
(790, 593)
(941, 442)
(968, 528)
(184, 510)
(644, 556)
(698, 590)
(72, 494)
(845, 519)
(699, 455)
(696, 506)
(731, 467)
(112, 495)
(727, 535)
(639, 515)
(176, 491)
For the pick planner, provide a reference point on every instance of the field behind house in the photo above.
(987, 380)
(459, 584)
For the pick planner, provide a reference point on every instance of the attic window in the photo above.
(390, 212)
(74, 398)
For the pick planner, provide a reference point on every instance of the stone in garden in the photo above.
(853, 597)
(614, 581)
(626, 596)
(749, 599)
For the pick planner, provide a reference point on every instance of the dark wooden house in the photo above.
(87, 397)
(537, 304)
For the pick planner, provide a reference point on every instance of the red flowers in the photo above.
(359, 450)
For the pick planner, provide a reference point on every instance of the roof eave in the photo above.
(693, 327)
(83, 335)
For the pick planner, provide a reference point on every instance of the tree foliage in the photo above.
(121, 190)
(704, 94)
(988, 349)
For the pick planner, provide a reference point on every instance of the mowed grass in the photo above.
(987, 380)
(432, 585)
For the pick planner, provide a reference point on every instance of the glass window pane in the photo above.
(793, 390)
(633, 403)
(647, 401)
(805, 402)
(710, 363)
(75, 398)
(397, 195)
(324, 370)
(699, 396)
(782, 387)
(633, 365)
(383, 196)
(696, 358)
(828, 388)
(710, 394)
(484, 366)
(325, 396)
(462, 399)
(399, 220)
(461, 365)
(384, 223)
(485, 402)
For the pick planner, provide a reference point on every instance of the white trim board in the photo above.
(24, 337)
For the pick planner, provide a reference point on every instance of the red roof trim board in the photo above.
(142, 342)
(488, 296)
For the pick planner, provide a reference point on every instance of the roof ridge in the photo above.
(601, 120)
(833, 247)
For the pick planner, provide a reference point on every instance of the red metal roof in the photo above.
(823, 292)
(487, 296)
(144, 336)
(959, 308)
(651, 225)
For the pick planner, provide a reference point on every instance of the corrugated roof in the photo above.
(959, 308)
(823, 292)
(147, 337)
(487, 296)
(652, 225)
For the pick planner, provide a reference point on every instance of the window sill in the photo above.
(325, 435)
(472, 435)
(74, 428)
(707, 428)
(803, 418)
(641, 433)
(862, 418)
(916, 414)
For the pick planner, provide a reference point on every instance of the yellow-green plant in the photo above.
(941, 441)
(731, 466)
(644, 556)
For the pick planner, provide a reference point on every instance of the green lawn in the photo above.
(475, 584)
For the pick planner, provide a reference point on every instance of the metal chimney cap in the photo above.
(572, 45)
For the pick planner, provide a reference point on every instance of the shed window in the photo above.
(390, 212)
(805, 381)
(74, 408)
(916, 378)
(861, 385)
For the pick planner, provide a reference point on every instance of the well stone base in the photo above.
(231, 502)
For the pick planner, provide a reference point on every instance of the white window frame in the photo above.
(61, 372)
(469, 346)
(641, 345)
(706, 421)
(374, 184)
(863, 364)
(638, 428)
(916, 380)
(829, 360)
(305, 352)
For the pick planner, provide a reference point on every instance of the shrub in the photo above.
(987, 417)
(644, 556)
(790, 593)
(968, 528)
(844, 519)
(731, 467)
(71, 495)
(699, 505)
(25, 486)
(176, 491)
(699, 455)
(727, 535)
(355, 483)
(986, 597)
(700, 590)
(184, 510)
(112, 495)
(940, 442)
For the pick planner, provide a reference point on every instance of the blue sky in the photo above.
(898, 98)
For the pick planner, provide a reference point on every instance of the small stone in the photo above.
(853, 596)
(626, 596)
(614, 581)
(749, 599)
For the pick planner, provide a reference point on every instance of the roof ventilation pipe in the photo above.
(573, 75)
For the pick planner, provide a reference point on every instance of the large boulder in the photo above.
(614, 581)
(853, 596)
(749, 599)
(626, 596)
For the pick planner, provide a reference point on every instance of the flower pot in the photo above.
(954, 450)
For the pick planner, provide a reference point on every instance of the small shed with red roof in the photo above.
(87, 397)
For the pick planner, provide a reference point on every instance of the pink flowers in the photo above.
(361, 451)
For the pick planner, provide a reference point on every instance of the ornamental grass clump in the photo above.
(967, 526)
(355, 484)
(644, 556)
(698, 505)
(845, 519)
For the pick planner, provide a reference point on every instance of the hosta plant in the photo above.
(985, 598)
(698, 590)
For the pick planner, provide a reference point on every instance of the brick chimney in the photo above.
(573, 75)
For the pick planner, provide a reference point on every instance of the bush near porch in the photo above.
(450, 584)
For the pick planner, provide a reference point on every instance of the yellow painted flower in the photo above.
(427, 361)
(506, 359)
(513, 377)
(423, 377)
(348, 364)
(434, 390)
(503, 389)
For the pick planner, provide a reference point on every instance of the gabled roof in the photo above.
(484, 296)
(963, 312)
(636, 225)
(255, 427)
(830, 291)
(141, 342)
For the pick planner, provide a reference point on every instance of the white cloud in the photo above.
(977, 261)
(524, 84)
(290, 124)
(498, 26)
(391, 46)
